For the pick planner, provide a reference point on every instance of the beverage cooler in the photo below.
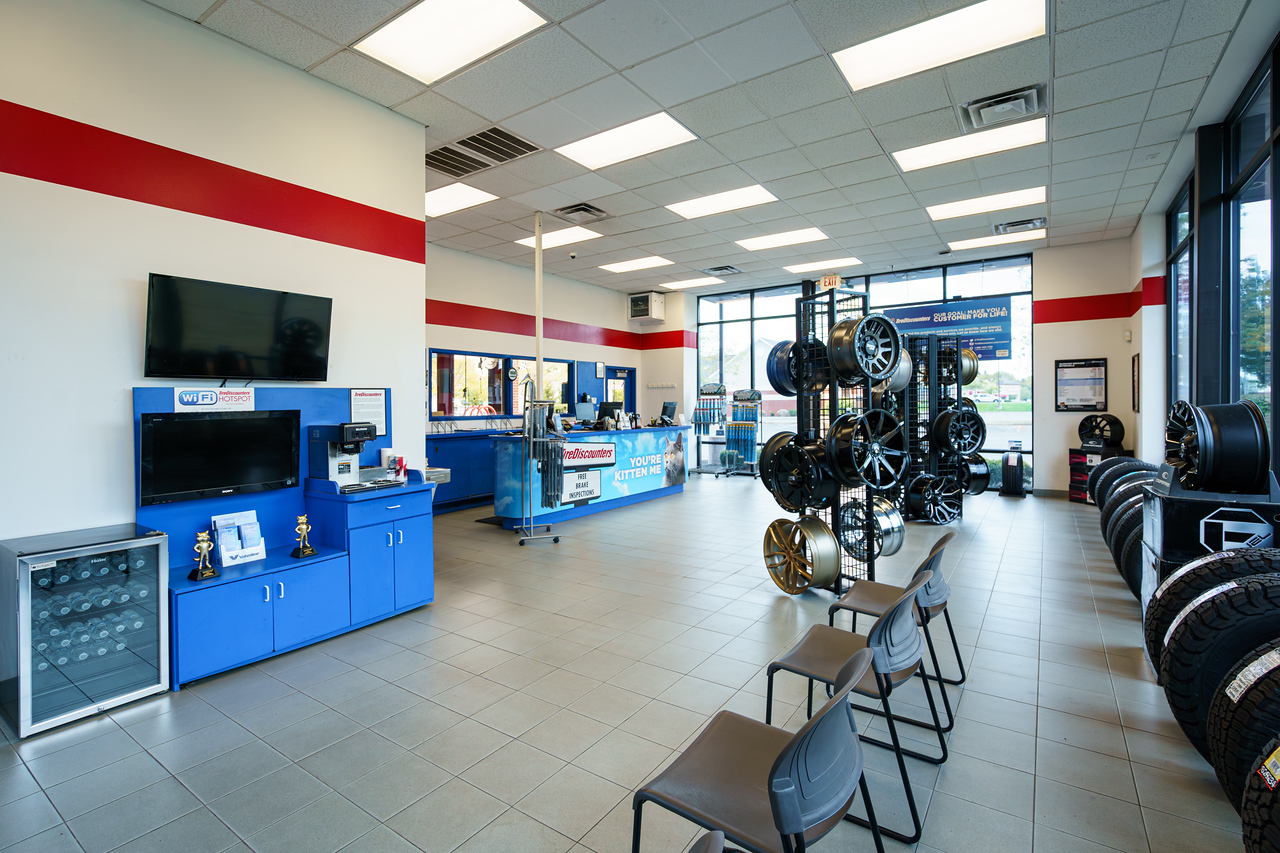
(84, 623)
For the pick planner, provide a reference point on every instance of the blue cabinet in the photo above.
(310, 602)
(415, 570)
(469, 459)
(480, 462)
(373, 577)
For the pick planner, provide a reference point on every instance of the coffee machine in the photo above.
(334, 452)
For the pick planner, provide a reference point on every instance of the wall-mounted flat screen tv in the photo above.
(208, 330)
(186, 456)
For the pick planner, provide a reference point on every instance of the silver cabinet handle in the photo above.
(281, 592)
(397, 506)
(401, 532)
(388, 540)
(266, 590)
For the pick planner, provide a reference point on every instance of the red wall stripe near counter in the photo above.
(46, 147)
(462, 316)
(1103, 306)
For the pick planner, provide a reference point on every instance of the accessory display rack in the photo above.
(708, 420)
(546, 450)
(742, 433)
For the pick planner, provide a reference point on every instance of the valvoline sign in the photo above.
(213, 399)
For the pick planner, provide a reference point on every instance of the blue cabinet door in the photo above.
(451, 454)
(415, 561)
(481, 463)
(372, 554)
(311, 601)
(223, 626)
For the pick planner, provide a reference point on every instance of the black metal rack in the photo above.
(935, 387)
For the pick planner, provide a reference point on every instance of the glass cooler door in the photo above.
(95, 628)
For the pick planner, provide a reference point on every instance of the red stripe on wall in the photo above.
(46, 147)
(440, 313)
(1105, 306)
(1154, 291)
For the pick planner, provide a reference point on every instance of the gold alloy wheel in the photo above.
(801, 554)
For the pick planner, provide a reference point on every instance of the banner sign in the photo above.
(213, 399)
(594, 455)
(983, 325)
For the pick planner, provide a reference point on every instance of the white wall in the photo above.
(1150, 341)
(73, 280)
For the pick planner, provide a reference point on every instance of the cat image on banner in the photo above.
(673, 462)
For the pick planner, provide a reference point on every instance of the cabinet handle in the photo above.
(281, 592)
(401, 532)
(388, 540)
(397, 506)
(266, 591)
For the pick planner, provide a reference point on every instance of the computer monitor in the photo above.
(669, 411)
(610, 410)
(584, 412)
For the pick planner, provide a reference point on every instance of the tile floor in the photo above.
(519, 711)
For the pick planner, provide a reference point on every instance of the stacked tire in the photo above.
(1116, 486)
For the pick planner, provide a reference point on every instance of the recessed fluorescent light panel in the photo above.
(638, 264)
(1007, 138)
(563, 237)
(986, 204)
(636, 139)
(997, 240)
(939, 41)
(722, 202)
(692, 282)
(437, 37)
(824, 265)
(787, 238)
(453, 198)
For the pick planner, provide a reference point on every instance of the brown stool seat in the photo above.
(869, 597)
(824, 650)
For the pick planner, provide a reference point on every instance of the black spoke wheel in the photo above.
(869, 346)
(768, 466)
(935, 499)
(1104, 429)
(975, 474)
(807, 366)
(868, 450)
(777, 368)
(960, 431)
(800, 478)
(1219, 448)
(824, 490)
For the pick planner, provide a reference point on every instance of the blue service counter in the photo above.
(602, 470)
(468, 454)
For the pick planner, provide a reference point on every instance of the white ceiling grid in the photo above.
(754, 80)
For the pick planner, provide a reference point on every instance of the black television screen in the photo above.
(186, 456)
(669, 410)
(207, 330)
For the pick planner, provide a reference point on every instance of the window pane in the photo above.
(1181, 222)
(708, 354)
(1182, 326)
(1002, 390)
(555, 383)
(778, 302)
(899, 288)
(724, 306)
(1251, 211)
(737, 356)
(1250, 131)
(987, 278)
(466, 385)
(778, 413)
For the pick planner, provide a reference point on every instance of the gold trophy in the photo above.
(203, 570)
(304, 548)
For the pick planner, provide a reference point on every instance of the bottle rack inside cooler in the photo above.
(934, 388)
(816, 408)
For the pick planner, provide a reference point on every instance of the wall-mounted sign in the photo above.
(213, 399)
(829, 282)
(983, 325)
(1080, 385)
(369, 405)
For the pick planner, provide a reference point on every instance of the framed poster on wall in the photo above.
(1080, 385)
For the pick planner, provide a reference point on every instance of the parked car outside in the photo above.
(983, 397)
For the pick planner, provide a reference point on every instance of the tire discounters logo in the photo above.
(1231, 528)
(589, 455)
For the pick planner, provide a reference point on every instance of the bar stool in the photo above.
(898, 652)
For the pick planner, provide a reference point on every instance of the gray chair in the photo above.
(712, 842)
(898, 653)
(767, 790)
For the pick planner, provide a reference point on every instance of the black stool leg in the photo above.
(871, 815)
(635, 829)
(956, 647)
(768, 701)
(896, 746)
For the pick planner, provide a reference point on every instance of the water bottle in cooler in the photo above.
(100, 597)
(42, 579)
(140, 590)
(60, 656)
(99, 565)
(62, 573)
(99, 628)
(77, 602)
(40, 642)
(132, 620)
(42, 609)
(80, 652)
(79, 633)
(82, 571)
(40, 663)
(118, 593)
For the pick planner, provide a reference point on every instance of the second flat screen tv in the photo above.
(208, 330)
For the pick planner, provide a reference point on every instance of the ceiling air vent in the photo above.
(581, 213)
(453, 162)
(1020, 225)
(998, 109)
(721, 271)
(498, 145)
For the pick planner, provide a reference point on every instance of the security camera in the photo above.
(573, 255)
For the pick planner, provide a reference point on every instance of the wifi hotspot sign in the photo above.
(213, 399)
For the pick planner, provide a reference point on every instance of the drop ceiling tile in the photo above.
(587, 187)
(850, 228)
(780, 165)
(1152, 155)
(798, 185)
(823, 121)
(689, 158)
(700, 17)
(719, 112)
(1141, 193)
(1056, 230)
(1100, 215)
(1087, 186)
(1203, 18)
(367, 78)
(623, 203)
(477, 240)
(544, 168)
(702, 241)
(1087, 202)
(625, 32)
(919, 130)
(1004, 70)
(840, 216)
(1103, 116)
(498, 181)
(668, 192)
(340, 20)
(1014, 181)
(1132, 208)
(1018, 160)
(1145, 175)
(889, 213)
(634, 173)
(549, 125)
(818, 201)
(774, 40)
(545, 198)
(1117, 233)
(1088, 168)
(1175, 99)
(609, 102)
(674, 231)
(1115, 39)
(491, 95)
(860, 171)
(1123, 221)
(558, 10)
(802, 85)
(939, 176)
(1117, 80)
(444, 119)
(749, 142)
(619, 228)
(273, 34)
(190, 9)
(1093, 144)
(1090, 237)
(679, 76)
(898, 99)
(1163, 129)
(1189, 61)
(440, 230)
(653, 217)
(872, 190)
(1080, 12)
(842, 23)
(914, 244)
(718, 180)
(846, 149)
(469, 220)
(948, 194)
(771, 212)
